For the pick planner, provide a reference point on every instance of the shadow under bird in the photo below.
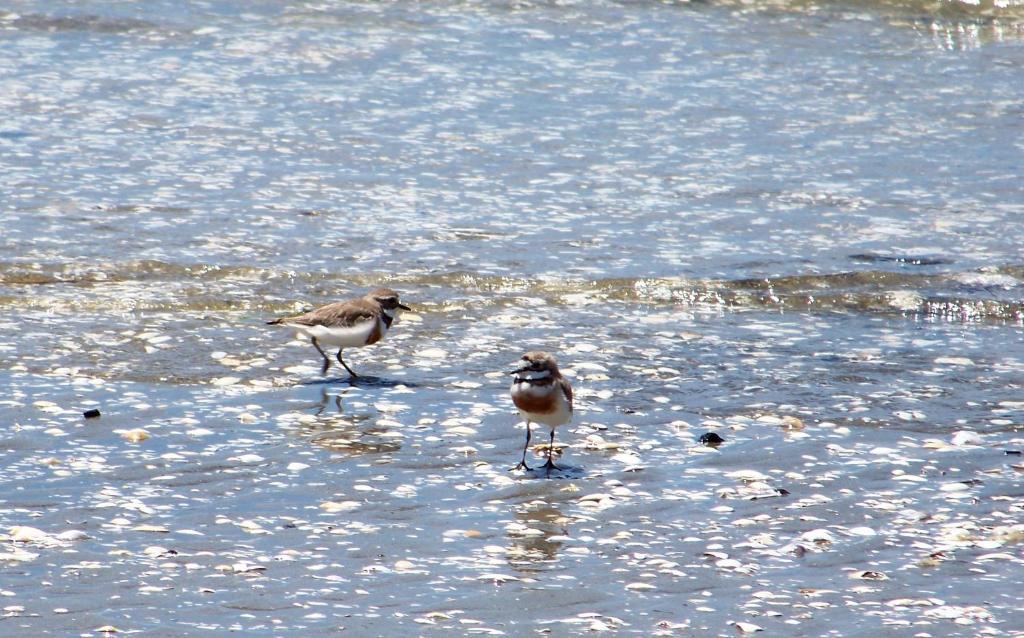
(543, 396)
(347, 324)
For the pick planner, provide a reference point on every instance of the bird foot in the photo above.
(520, 466)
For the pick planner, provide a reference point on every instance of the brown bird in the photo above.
(348, 324)
(542, 395)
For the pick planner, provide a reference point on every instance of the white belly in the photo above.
(561, 416)
(348, 337)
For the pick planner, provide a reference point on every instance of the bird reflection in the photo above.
(340, 432)
(325, 399)
(533, 547)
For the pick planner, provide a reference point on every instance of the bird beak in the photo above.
(523, 369)
(404, 307)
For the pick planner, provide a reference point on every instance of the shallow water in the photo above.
(792, 224)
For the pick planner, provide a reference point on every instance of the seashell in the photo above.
(247, 458)
(910, 602)
(135, 435)
(630, 459)
(498, 579)
(155, 551)
(819, 536)
(24, 534)
(333, 507)
(251, 526)
(432, 353)
(746, 627)
(243, 567)
(598, 442)
(956, 486)
(437, 615)
(954, 361)
(956, 613)
(997, 556)
(747, 476)
(18, 555)
(792, 423)
(967, 437)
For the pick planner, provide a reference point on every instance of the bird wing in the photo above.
(567, 391)
(342, 314)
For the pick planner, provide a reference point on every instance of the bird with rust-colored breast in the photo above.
(348, 324)
(542, 396)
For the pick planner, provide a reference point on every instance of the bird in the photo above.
(542, 395)
(347, 324)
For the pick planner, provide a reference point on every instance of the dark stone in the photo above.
(91, 414)
(711, 439)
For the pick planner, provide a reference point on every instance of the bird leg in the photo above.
(327, 360)
(550, 465)
(354, 375)
(522, 464)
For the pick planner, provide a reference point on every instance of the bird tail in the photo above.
(274, 322)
